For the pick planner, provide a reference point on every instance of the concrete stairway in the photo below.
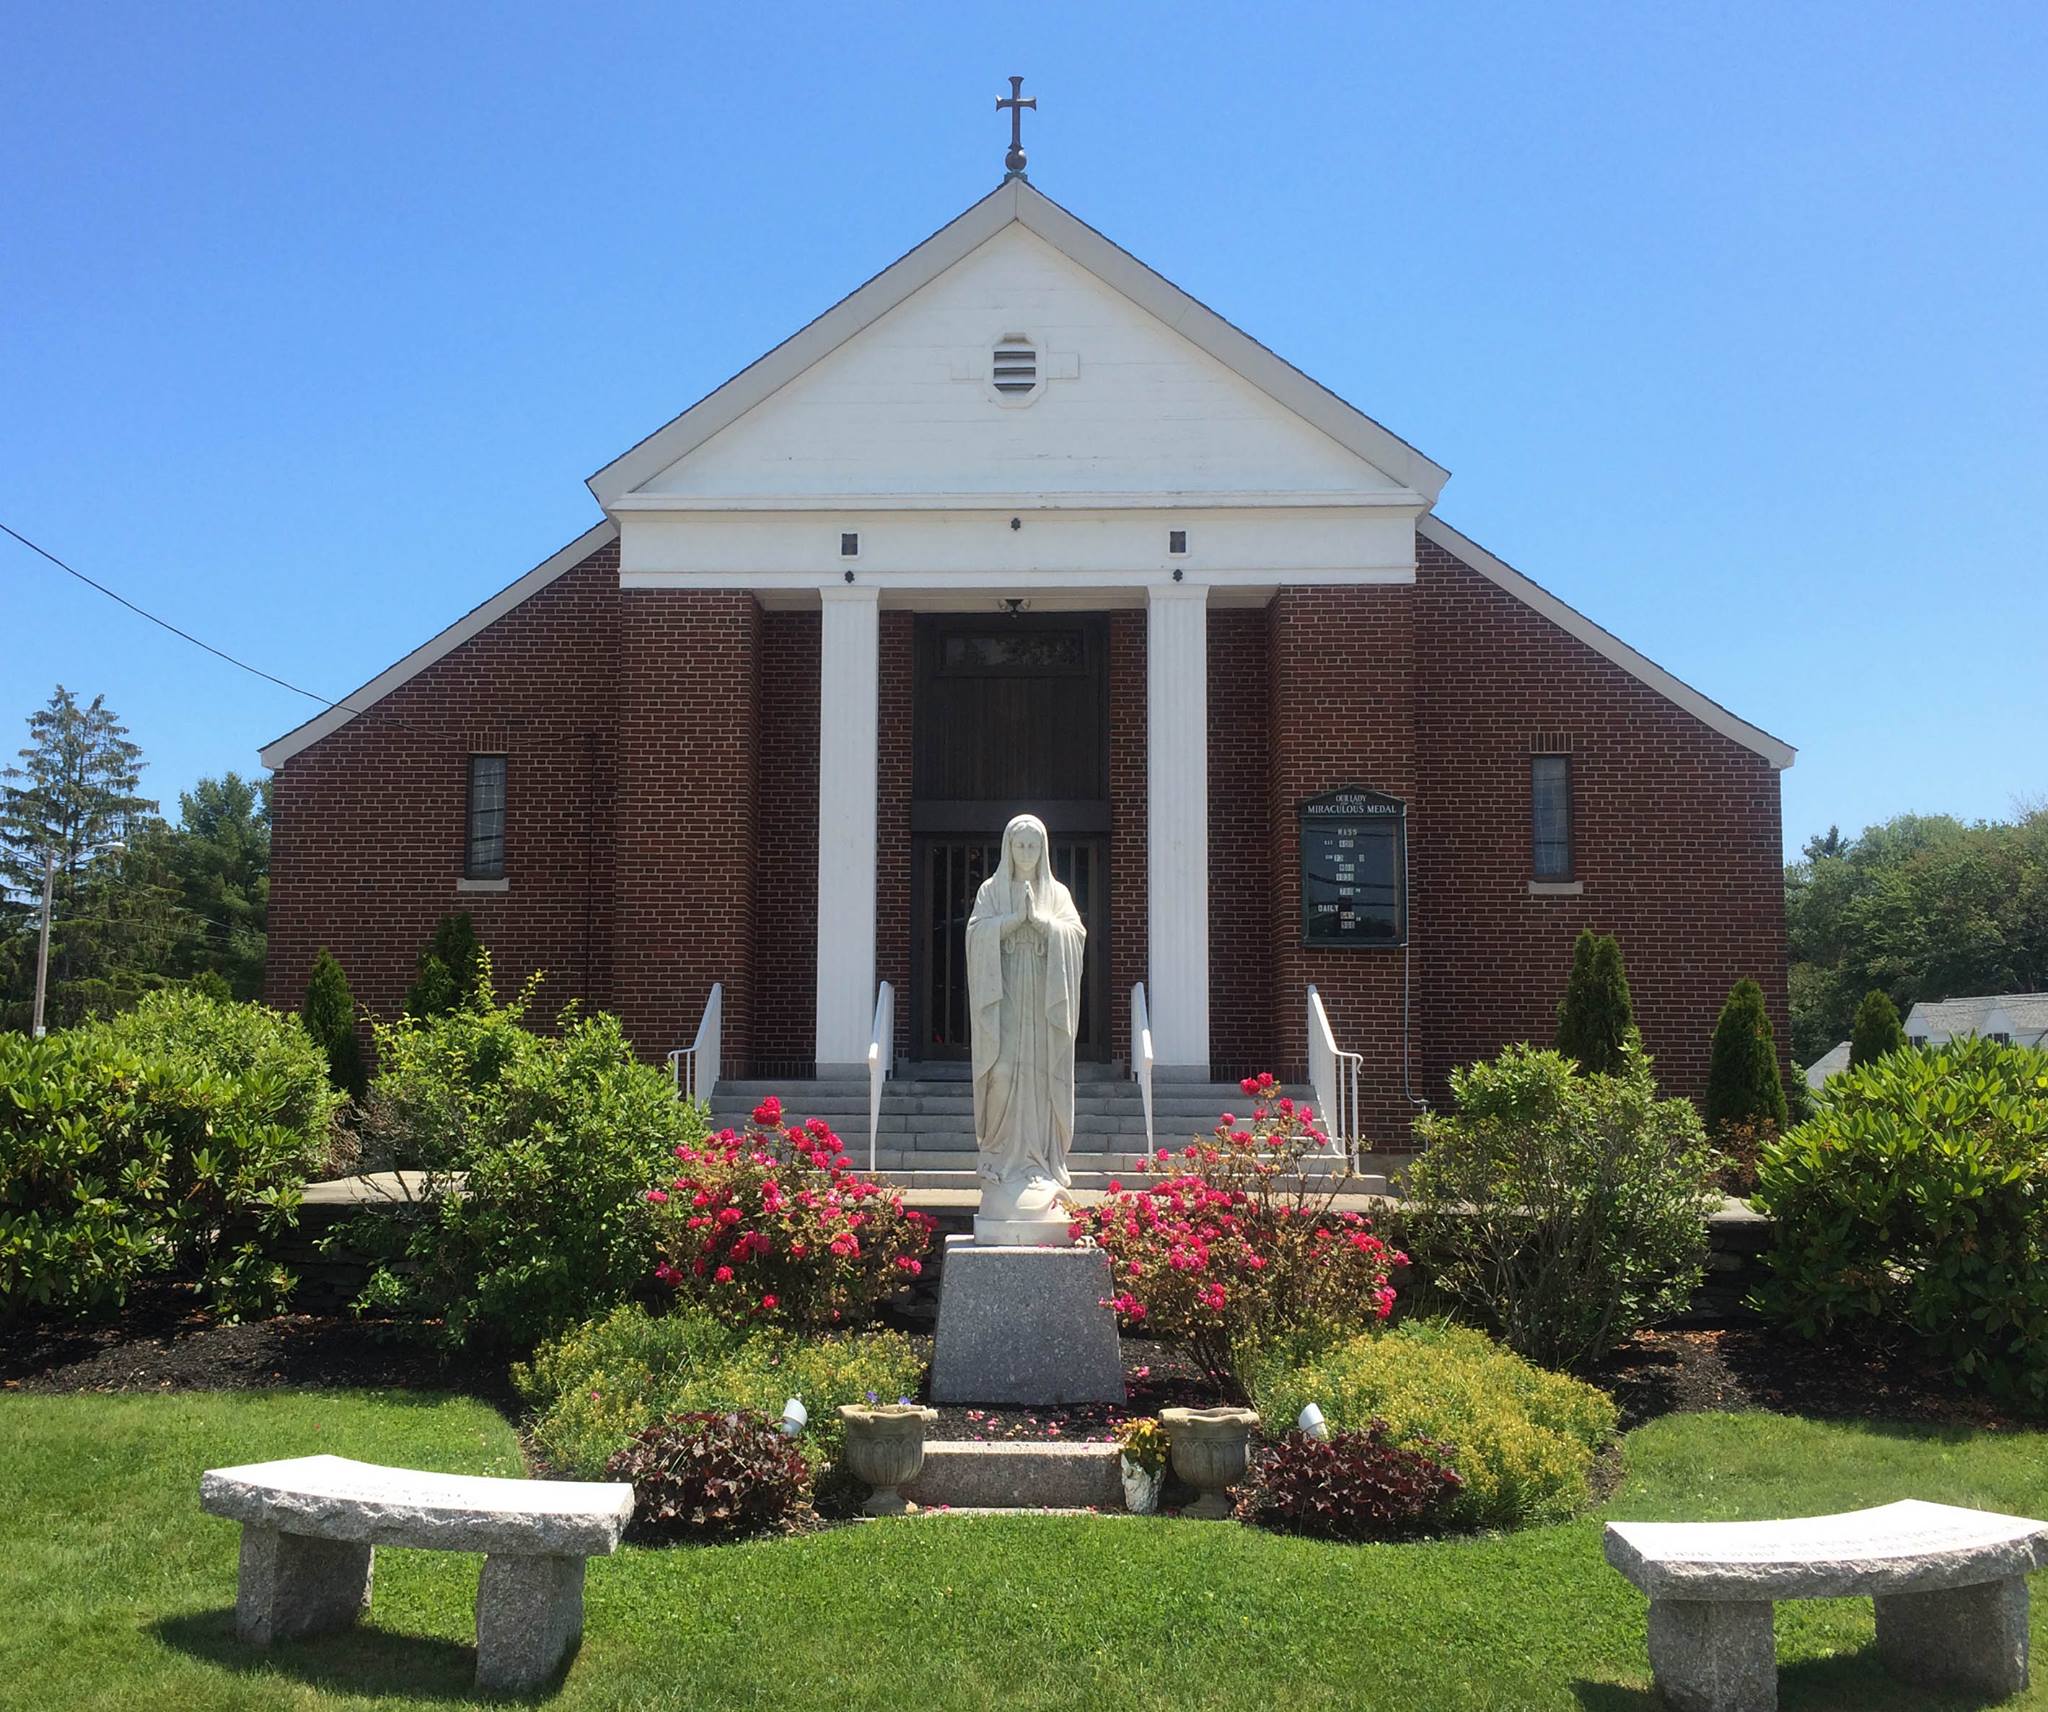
(927, 1122)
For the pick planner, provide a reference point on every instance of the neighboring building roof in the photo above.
(1016, 200)
(2023, 1016)
(1708, 712)
(275, 753)
(1830, 1063)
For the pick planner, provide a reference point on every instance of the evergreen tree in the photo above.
(1878, 1030)
(1743, 1085)
(219, 860)
(1596, 1018)
(330, 1017)
(448, 968)
(73, 799)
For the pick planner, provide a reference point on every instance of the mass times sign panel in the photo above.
(1354, 869)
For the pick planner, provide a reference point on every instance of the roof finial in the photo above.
(1016, 101)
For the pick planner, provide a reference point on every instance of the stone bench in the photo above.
(1949, 1585)
(311, 1526)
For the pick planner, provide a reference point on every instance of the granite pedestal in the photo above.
(1025, 1325)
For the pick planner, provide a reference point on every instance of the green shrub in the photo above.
(330, 1018)
(536, 1152)
(593, 1388)
(1596, 1019)
(452, 969)
(1876, 1030)
(1916, 1201)
(1353, 1486)
(1562, 1210)
(281, 1072)
(1743, 1084)
(117, 1162)
(1522, 1439)
(711, 1476)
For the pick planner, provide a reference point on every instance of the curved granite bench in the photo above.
(1949, 1585)
(311, 1526)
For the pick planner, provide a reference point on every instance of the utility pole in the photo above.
(43, 949)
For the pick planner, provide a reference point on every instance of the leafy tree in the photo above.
(1877, 1030)
(1923, 906)
(1743, 1085)
(1596, 1018)
(451, 969)
(330, 1016)
(73, 798)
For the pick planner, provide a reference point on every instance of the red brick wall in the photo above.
(1676, 833)
(370, 823)
(786, 874)
(1240, 865)
(1342, 712)
(1127, 824)
(685, 824)
(892, 816)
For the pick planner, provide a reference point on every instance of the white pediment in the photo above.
(1123, 406)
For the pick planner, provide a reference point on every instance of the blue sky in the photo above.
(1728, 320)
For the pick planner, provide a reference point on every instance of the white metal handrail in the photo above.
(1141, 1054)
(881, 1062)
(1334, 1077)
(694, 1068)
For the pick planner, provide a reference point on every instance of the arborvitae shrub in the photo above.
(1596, 1019)
(1877, 1029)
(1743, 1085)
(330, 1018)
(449, 968)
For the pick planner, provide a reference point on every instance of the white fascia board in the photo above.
(1708, 712)
(1229, 344)
(1204, 499)
(274, 754)
(1016, 200)
(768, 374)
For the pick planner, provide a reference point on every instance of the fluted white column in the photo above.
(1177, 811)
(848, 719)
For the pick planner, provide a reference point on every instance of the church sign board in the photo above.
(1354, 869)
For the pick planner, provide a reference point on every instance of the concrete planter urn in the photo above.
(1211, 1451)
(885, 1449)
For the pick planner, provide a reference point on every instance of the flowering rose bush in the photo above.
(1227, 1244)
(770, 1224)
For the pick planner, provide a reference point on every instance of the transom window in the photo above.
(1550, 817)
(485, 854)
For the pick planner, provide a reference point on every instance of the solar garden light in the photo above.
(1311, 1422)
(794, 1417)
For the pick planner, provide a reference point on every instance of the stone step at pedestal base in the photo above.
(964, 1474)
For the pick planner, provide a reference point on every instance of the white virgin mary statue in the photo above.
(1024, 944)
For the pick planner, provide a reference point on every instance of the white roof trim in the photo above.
(276, 753)
(1708, 712)
(1017, 201)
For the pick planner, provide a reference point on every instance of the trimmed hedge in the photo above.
(149, 1144)
(1915, 1202)
(1521, 1439)
(592, 1389)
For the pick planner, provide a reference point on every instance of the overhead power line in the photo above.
(165, 623)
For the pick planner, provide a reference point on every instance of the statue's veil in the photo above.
(1041, 886)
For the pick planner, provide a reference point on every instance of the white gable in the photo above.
(1128, 407)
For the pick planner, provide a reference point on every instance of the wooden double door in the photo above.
(1010, 716)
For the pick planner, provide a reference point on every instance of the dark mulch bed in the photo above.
(165, 1340)
(1752, 1367)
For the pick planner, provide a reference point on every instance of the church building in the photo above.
(1018, 524)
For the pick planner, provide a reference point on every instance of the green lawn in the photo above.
(115, 1591)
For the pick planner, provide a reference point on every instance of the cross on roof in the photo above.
(1016, 101)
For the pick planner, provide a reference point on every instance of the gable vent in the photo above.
(1015, 368)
